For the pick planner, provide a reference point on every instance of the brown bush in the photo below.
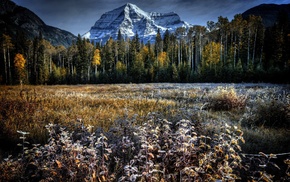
(226, 99)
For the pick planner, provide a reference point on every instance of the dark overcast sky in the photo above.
(77, 16)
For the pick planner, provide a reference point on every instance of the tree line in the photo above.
(240, 50)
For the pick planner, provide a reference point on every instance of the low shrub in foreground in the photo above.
(225, 99)
(157, 151)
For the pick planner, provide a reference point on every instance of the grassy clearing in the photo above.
(30, 108)
(260, 111)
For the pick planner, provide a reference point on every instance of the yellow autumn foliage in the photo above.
(211, 54)
(162, 58)
(19, 63)
(97, 58)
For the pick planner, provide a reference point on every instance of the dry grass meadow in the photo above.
(234, 119)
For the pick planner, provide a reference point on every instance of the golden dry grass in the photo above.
(30, 108)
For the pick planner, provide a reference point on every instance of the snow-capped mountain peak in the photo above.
(130, 19)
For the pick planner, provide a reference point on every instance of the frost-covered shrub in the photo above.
(175, 152)
(224, 99)
(159, 150)
(63, 159)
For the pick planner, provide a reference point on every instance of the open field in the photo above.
(260, 111)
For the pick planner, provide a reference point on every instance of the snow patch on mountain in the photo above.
(129, 20)
(87, 35)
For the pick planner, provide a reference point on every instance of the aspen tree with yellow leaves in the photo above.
(19, 63)
(211, 59)
(162, 59)
(96, 60)
(211, 55)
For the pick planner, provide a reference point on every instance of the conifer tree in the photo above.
(39, 73)
(7, 45)
(166, 41)
(158, 43)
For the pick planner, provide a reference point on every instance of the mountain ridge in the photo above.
(129, 19)
(14, 18)
(268, 12)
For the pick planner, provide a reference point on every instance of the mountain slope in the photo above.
(13, 18)
(130, 19)
(268, 12)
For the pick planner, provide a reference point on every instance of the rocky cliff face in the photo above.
(268, 12)
(129, 20)
(14, 18)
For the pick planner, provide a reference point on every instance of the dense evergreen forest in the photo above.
(241, 50)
